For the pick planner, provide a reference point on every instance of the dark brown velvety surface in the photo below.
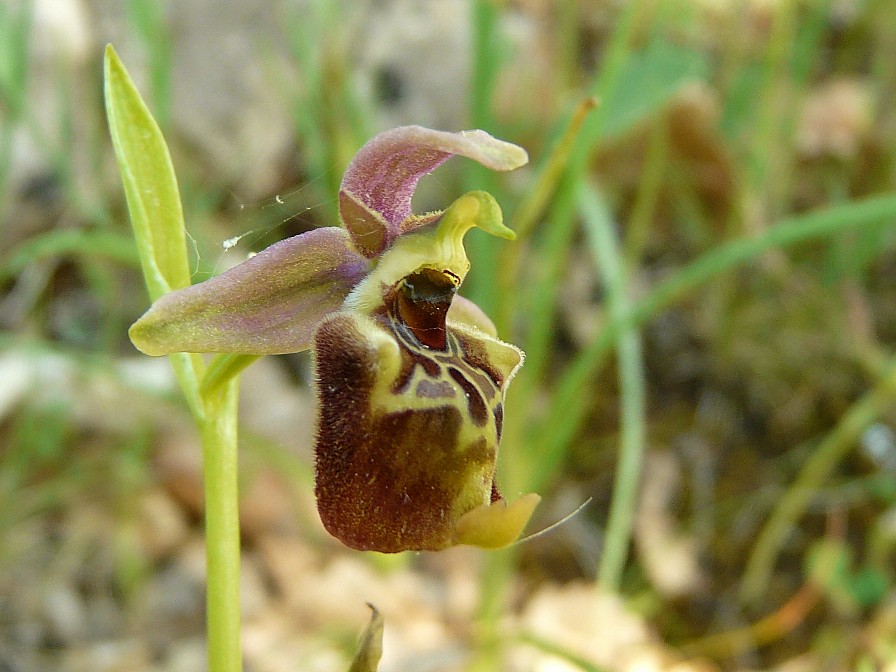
(384, 482)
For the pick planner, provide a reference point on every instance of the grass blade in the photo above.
(568, 407)
(608, 256)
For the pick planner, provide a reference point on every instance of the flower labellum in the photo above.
(410, 377)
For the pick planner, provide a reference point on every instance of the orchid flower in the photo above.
(410, 377)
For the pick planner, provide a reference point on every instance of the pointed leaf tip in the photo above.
(370, 650)
(149, 181)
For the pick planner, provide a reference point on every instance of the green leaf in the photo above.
(646, 81)
(149, 182)
(370, 650)
(830, 564)
(561, 652)
(154, 204)
(868, 587)
(15, 33)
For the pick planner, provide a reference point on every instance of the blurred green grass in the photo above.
(684, 206)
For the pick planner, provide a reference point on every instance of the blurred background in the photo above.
(705, 285)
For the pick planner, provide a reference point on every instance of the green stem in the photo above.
(157, 217)
(495, 577)
(607, 254)
(813, 473)
(222, 528)
(223, 368)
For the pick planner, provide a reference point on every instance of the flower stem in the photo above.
(496, 575)
(222, 530)
(157, 218)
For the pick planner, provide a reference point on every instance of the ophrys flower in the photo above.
(410, 377)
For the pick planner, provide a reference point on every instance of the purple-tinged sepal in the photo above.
(269, 304)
